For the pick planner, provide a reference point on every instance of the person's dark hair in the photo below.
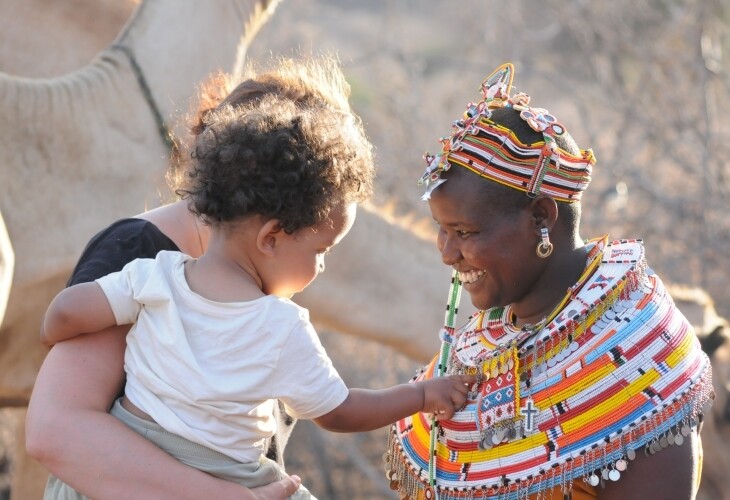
(512, 200)
(308, 82)
(284, 145)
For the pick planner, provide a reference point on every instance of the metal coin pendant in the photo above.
(670, 438)
(428, 493)
(593, 480)
(631, 454)
(604, 474)
(678, 439)
(621, 465)
(636, 295)
(614, 475)
(663, 442)
(486, 443)
(685, 430)
(502, 434)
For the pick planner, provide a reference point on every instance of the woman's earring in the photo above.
(544, 248)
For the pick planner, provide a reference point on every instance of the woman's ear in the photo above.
(544, 212)
(266, 239)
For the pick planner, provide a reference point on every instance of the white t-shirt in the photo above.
(209, 371)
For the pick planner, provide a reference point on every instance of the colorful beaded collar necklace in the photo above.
(617, 368)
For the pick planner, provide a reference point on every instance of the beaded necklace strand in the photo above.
(447, 337)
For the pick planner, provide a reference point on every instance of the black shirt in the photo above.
(116, 246)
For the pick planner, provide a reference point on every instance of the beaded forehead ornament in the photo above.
(493, 151)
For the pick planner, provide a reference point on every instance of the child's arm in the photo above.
(365, 410)
(81, 308)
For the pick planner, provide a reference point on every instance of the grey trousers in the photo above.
(250, 475)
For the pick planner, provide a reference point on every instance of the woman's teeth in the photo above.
(470, 276)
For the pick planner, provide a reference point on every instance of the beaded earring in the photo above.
(545, 247)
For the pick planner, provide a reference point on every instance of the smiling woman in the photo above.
(584, 365)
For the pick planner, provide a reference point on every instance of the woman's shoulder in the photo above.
(623, 251)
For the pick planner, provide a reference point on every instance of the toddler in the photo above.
(216, 340)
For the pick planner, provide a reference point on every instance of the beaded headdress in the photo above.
(493, 151)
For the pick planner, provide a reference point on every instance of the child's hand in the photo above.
(444, 396)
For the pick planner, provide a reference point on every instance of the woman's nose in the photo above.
(450, 252)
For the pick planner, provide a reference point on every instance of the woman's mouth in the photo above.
(470, 277)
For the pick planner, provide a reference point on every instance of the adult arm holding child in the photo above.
(103, 458)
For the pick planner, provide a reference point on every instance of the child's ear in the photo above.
(266, 239)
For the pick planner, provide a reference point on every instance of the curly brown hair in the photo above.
(283, 144)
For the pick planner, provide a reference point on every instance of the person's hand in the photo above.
(444, 396)
(278, 490)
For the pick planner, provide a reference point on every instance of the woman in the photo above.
(590, 381)
(68, 423)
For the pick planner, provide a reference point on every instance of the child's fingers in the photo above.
(458, 399)
(463, 383)
(467, 379)
(444, 414)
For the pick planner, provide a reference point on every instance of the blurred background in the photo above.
(645, 84)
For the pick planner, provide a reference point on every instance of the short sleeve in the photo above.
(308, 383)
(121, 289)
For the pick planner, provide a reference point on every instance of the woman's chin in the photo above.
(479, 299)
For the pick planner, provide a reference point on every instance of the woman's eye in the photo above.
(463, 234)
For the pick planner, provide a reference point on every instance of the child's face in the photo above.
(301, 255)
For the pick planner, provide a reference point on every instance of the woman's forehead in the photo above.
(467, 198)
(463, 187)
(457, 199)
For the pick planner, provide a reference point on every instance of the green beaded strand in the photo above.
(452, 308)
